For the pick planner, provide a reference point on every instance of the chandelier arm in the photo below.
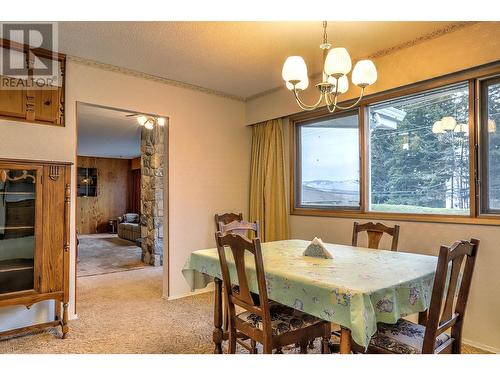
(352, 105)
(330, 104)
(304, 106)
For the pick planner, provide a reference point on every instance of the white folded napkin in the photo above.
(317, 249)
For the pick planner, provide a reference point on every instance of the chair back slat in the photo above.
(226, 218)
(444, 313)
(375, 231)
(242, 227)
(374, 239)
(449, 299)
(239, 245)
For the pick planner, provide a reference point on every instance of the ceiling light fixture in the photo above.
(449, 124)
(492, 126)
(336, 65)
(150, 121)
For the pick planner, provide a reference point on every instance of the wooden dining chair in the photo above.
(268, 322)
(375, 231)
(226, 218)
(234, 223)
(245, 228)
(445, 312)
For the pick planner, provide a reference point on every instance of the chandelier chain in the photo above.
(325, 33)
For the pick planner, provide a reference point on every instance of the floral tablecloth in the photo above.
(356, 289)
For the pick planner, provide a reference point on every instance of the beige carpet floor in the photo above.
(105, 253)
(124, 313)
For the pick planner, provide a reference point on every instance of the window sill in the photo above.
(429, 218)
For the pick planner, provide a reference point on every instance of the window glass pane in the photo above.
(493, 118)
(17, 229)
(329, 157)
(419, 153)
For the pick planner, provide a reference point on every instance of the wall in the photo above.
(200, 125)
(471, 46)
(94, 213)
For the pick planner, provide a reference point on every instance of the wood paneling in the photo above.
(135, 164)
(112, 194)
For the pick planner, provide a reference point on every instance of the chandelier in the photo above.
(336, 65)
(448, 124)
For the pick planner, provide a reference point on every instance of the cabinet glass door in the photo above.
(17, 229)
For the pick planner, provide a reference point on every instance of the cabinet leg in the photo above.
(64, 322)
(57, 310)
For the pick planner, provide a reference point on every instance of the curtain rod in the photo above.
(271, 119)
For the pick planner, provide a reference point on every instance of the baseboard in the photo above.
(482, 346)
(208, 289)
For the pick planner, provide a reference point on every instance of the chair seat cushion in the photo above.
(404, 337)
(131, 218)
(283, 319)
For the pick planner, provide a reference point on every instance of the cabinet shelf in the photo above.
(17, 193)
(17, 228)
(12, 265)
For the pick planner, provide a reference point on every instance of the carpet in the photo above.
(124, 313)
(106, 253)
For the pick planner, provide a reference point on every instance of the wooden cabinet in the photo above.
(31, 98)
(43, 105)
(47, 106)
(12, 103)
(34, 237)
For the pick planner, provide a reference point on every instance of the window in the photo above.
(87, 182)
(490, 141)
(328, 162)
(429, 151)
(419, 153)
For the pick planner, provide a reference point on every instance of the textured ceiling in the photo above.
(107, 133)
(236, 58)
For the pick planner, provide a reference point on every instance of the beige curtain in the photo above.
(267, 180)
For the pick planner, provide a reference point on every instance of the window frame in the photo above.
(483, 175)
(473, 77)
(298, 164)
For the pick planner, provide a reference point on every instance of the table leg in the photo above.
(218, 333)
(345, 340)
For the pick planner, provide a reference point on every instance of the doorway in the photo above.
(120, 188)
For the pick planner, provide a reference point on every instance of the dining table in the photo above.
(357, 288)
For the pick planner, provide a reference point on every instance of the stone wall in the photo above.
(152, 185)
